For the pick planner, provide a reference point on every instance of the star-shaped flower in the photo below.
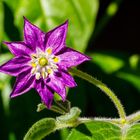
(41, 61)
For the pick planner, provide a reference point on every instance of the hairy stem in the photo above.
(134, 118)
(104, 88)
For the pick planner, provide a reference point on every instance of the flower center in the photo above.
(43, 61)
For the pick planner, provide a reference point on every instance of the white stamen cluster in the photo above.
(43, 63)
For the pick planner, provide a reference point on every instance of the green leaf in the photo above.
(50, 13)
(64, 133)
(134, 79)
(108, 63)
(133, 132)
(112, 8)
(134, 60)
(1, 21)
(41, 129)
(95, 130)
(86, 129)
(45, 126)
(98, 130)
(5, 57)
(4, 79)
(6, 90)
(12, 136)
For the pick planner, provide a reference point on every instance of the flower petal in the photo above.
(58, 87)
(18, 48)
(45, 92)
(15, 66)
(70, 58)
(24, 83)
(65, 78)
(33, 36)
(55, 39)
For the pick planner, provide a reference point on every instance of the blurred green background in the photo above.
(106, 30)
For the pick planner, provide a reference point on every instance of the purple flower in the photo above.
(41, 61)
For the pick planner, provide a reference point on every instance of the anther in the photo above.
(56, 59)
(49, 71)
(34, 56)
(49, 51)
(37, 75)
(33, 70)
(33, 64)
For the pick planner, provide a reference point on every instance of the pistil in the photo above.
(43, 61)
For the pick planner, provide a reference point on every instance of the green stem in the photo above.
(105, 89)
(134, 118)
(86, 120)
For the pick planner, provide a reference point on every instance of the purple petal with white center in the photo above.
(45, 92)
(33, 36)
(57, 86)
(65, 78)
(18, 48)
(70, 58)
(15, 66)
(55, 39)
(24, 82)
(36, 42)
